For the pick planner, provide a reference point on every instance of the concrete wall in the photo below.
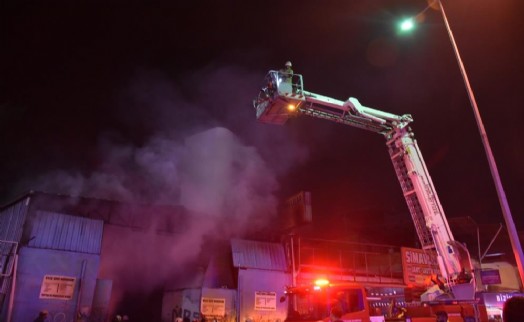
(34, 264)
(187, 303)
(252, 284)
(182, 303)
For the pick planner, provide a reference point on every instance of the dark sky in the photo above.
(94, 94)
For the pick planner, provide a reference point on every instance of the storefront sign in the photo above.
(57, 287)
(490, 276)
(418, 265)
(265, 301)
(497, 299)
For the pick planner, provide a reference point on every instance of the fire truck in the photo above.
(316, 302)
(282, 97)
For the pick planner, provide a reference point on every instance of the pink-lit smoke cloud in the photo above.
(203, 151)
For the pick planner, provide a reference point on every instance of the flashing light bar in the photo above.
(321, 282)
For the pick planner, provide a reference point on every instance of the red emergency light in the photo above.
(319, 283)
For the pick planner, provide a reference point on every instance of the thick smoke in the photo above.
(186, 155)
(222, 177)
(193, 144)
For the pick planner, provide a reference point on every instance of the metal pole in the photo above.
(491, 242)
(294, 275)
(80, 288)
(512, 231)
(13, 289)
(478, 247)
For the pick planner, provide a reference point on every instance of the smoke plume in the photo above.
(192, 143)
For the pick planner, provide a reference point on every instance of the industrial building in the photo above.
(86, 259)
(81, 256)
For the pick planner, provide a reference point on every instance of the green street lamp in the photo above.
(409, 24)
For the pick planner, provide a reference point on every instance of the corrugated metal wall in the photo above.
(262, 273)
(34, 264)
(64, 232)
(168, 219)
(59, 245)
(252, 283)
(12, 220)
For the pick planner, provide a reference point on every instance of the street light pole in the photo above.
(510, 225)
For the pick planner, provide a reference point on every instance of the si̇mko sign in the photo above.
(57, 287)
(417, 265)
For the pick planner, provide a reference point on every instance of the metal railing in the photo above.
(349, 261)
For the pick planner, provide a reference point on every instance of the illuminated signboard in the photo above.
(417, 265)
(497, 299)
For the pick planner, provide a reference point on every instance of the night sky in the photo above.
(110, 94)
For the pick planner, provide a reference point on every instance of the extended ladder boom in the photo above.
(284, 97)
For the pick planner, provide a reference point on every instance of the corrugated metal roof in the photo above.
(64, 232)
(261, 255)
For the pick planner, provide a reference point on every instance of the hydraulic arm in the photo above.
(285, 97)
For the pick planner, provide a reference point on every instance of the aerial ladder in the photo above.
(283, 96)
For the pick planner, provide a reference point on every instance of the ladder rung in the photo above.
(396, 155)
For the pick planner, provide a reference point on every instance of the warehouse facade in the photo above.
(65, 254)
